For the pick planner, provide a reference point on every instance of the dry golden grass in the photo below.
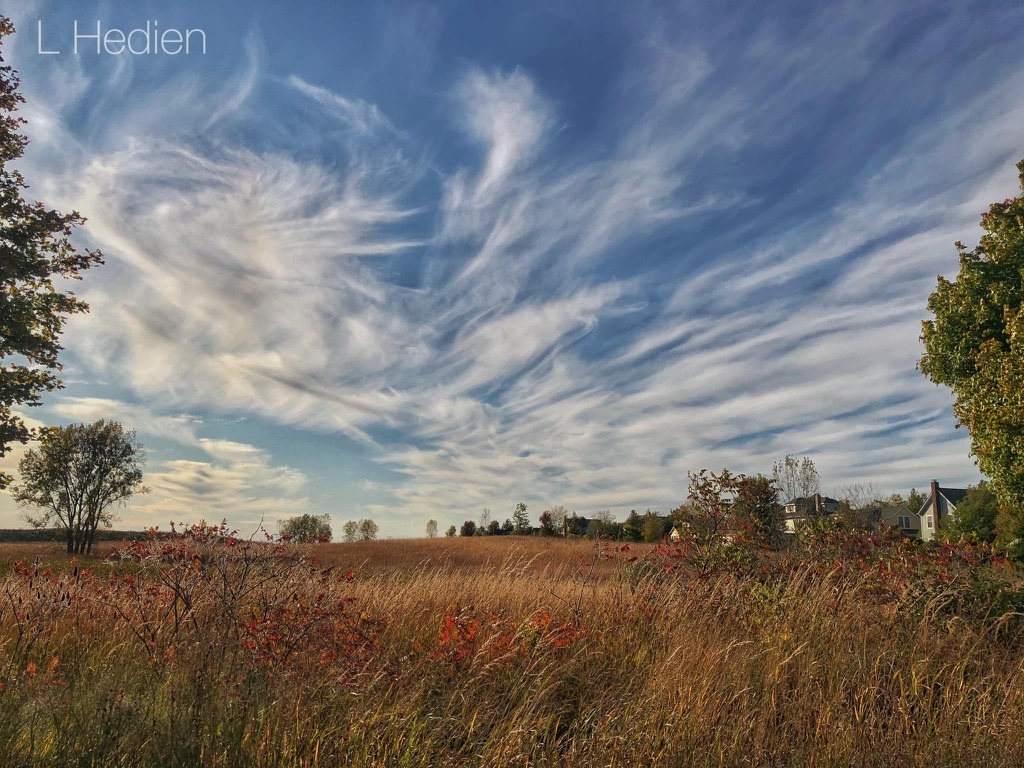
(467, 555)
(51, 551)
(495, 652)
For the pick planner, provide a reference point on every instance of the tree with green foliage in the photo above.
(494, 528)
(757, 501)
(468, 528)
(76, 477)
(633, 527)
(915, 500)
(431, 529)
(976, 515)
(350, 530)
(521, 521)
(708, 527)
(368, 529)
(35, 247)
(975, 346)
(574, 525)
(708, 513)
(451, 531)
(306, 528)
(653, 529)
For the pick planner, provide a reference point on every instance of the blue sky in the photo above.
(408, 261)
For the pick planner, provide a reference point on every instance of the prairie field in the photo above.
(507, 651)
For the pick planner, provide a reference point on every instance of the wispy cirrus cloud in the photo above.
(718, 257)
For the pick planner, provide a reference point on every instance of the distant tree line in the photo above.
(725, 500)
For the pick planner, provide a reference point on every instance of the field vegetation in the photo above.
(204, 649)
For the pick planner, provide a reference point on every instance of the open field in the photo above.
(546, 558)
(502, 652)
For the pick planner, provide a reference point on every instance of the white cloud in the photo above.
(508, 117)
(240, 484)
(361, 117)
(519, 362)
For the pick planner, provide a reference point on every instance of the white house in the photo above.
(941, 503)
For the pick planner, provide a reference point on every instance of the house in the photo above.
(941, 503)
(924, 522)
(892, 517)
(686, 531)
(804, 507)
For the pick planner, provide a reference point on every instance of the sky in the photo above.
(408, 261)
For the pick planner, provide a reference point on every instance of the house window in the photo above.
(930, 523)
(904, 522)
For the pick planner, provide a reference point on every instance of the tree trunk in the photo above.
(90, 533)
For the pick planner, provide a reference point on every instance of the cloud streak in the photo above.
(727, 261)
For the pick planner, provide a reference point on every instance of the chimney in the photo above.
(936, 507)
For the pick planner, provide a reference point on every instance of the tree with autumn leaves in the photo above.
(975, 346)
(724, 509)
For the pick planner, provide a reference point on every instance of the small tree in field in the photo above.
(451, 531)
(633, 527)
(350, 530)
(431, 529)
(707, 522)
(77, 476)
(757, 501)
(368, 529)
(468, 528)
(653, 528)
(521, 521)
(360, 530)
(547, 526)
(306, 528)
(559, 514)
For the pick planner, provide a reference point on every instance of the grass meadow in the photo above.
(202, 650)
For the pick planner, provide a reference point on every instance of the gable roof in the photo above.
(952, 495)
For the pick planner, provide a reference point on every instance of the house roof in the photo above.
(875, 513)
(952, 495)
(810, 500)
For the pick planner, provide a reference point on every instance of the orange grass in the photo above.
(468, 555)
(492, 652)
